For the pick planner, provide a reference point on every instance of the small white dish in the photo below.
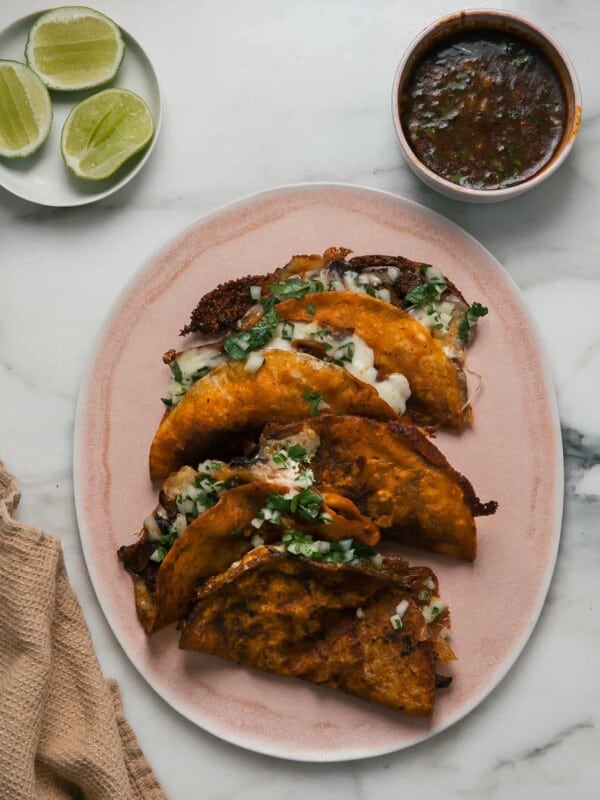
(44, 178)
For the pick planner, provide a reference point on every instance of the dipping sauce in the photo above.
(484, 109)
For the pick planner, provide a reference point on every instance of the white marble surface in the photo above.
(270, 92)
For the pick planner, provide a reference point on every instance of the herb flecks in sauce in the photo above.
(484, 110)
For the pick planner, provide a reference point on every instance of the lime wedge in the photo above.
(25, 111)
(74, 48)
(103, 131)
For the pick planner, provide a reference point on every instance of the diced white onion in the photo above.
(401, 608)
(254, 362)
(156, 556)
(360, 613)
(256, 540)
(433, 275)
(345, 544)
(393, 273)
(395, 622)
(151, 526)
(446, 307)
(186, 505)
(433, 610)
(257, 523)
(255, 292)
(180, 524)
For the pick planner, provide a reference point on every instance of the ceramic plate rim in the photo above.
(28, 19)
(549, 393)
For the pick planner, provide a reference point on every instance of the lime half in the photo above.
(25, 111)
(74, 48)
(105, 130)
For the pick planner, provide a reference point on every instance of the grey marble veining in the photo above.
(266, 93)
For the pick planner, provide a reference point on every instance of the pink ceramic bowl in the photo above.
(504, 22)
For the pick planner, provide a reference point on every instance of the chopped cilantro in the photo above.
(277, 502)
(167, 540)
(287, 331)
(297, 453)
(295, 287)
(371, 291)
(306, 504)
(429, 291)
(200, 373)
(422, 294)
(314, 398)
(210, 490)
(345, 352)
(474, 311)
(167, 401)
(310, 309)
(346, 552)
(239, 345)
(176, 370)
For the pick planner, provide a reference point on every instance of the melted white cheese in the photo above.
(287, 473)
(191, 362)
(394, 390)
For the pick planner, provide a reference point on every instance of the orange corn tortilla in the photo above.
(231, 402)
(298, 618)
(218, 537)
(398, 478)
(400, 344)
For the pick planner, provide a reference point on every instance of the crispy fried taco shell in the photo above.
(398, 478)
(231, 402)
(219, 309)
(400, 345)
(327, 624)
(215, 539)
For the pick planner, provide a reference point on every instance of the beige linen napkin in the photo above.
(62, 729)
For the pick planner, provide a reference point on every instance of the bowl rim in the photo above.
(570, 77)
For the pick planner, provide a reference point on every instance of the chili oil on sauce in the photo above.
(484, 110)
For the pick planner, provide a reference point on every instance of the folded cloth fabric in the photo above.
(62, 729)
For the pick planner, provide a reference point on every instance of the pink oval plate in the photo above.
(512, 453)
